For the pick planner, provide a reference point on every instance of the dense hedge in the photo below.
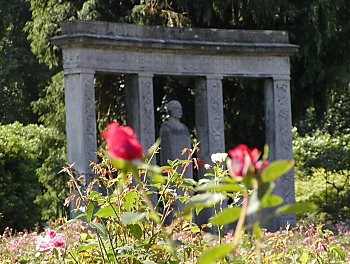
(30, 190)
(322, 173)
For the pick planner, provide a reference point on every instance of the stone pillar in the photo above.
(278, 129)
(81, 122)
(140, 107)
(209, 124)
(209, 116)
(140, 112)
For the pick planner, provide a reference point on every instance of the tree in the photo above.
(20, 81)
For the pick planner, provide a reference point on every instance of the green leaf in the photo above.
(266, 152)
(89, 211)
(296, 208)
(205, 200)
(131, 217)
(257, 232)
(228, 215)
(304, 258)
(276, 169)
(107, 211)
(148, 262)
(214, 254)
(99, 228)
(129, 200)
(338, 250)
(211, 186)
(135, 230)
(86, 247)
(124, 165)
(158, 178)
(265, 189)
(271, 200)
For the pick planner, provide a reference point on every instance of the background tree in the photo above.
(22, 78)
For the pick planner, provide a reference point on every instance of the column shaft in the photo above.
(209, 116)
(278, 127)
(210, 127)
(140, 107)
(81, 124)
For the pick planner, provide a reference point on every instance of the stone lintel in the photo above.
(215, 41)
(165, 33)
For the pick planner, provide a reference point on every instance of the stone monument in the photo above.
(206, 55)
(174, 137)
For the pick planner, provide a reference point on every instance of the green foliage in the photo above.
(162, 13)
(52, 114)
(321, 150)
(51, 107)
(47, 16)
(22, 153)
(126, 224)
(322, 173)
(20, 82)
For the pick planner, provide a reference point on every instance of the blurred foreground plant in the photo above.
(128, 226)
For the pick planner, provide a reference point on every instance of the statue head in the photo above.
(174, 109)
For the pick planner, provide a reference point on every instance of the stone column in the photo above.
(140, 107)
(140, 112)
(81, 122)
(278, 129)
(209, 113)
(209, 116)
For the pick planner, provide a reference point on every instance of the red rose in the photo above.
(122, 142)
(243, 159)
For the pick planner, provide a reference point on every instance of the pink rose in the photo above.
(260, 165)
(243, 160)
(122, 142)
(51, 233)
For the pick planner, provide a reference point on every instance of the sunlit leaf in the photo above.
(211, 186)
(271, 200)
(266, 152)
(129, 199)
(132, 217)
(87, 247)
(257, 232)
(276, 169)
(205, 200)
(99, 228)
(338, 250)
(107, 211)
(296, 208)
(304, 258)
(228, 215)
(214, 254)
(89, 211)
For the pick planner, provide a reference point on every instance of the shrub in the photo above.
(322, 173)
(25, 174)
